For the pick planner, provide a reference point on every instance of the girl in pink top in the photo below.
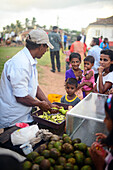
(88, 75)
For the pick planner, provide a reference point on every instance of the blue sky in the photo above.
(72, 14)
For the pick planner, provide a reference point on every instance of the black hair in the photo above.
(96, 40)
(72, 81)
(105, 39)
(55, 27)
(78, 38)
(69, 47)
(31, 45)
(74, 55)
(109, 140)
(90, 58)
(110, 54)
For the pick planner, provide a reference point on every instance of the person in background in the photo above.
(95, 52)
(55, 40)
(68, 65)
(78, 47)
(65, 41)
(70, 98)
(19, 85)
(105, 44)
(88, 75)
(105, 78)
(100, 39)
(104, 162)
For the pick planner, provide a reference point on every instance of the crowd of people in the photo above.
(19, 81)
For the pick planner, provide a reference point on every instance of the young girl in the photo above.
(88, 75)
(105, 78)
(105, 162)
(75, 71)
(70, 87)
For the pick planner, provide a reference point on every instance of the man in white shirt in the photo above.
(95, 52)
(19, 82)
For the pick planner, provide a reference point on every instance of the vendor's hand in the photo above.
(97, 158)
(54, 110)
(43, 105)
(100, 136)
(100, 70)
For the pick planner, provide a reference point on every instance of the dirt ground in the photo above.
(52, 83)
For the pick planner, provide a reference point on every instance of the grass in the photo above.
(7, 52)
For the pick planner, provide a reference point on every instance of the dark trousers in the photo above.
(64, 45)
(52, 55)
(96, 76)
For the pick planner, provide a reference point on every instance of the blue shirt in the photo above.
(102, 45)
(65, 38)
(19, 78)
(95, 52)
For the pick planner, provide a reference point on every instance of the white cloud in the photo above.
(73, 14)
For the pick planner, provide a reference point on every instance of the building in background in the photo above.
(102, 27)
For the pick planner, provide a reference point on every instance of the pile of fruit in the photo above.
(60, 154)
(59, 117)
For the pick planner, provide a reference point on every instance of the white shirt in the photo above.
(19, 78)
(107, 78)
(95, 52)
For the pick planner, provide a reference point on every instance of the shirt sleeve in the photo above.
(110, 77)
(19, 81)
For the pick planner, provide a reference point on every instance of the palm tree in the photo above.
(44, 27)
(26, 22)
(12, 27)
(18, 26)
(33, 21)
(8, 28)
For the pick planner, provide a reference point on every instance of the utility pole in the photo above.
(57, 20)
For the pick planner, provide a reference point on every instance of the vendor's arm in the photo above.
(106, 86)
(41, 96)
(30, 102)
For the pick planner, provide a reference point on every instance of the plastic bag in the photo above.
(24, 135)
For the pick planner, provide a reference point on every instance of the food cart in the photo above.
(86, 118)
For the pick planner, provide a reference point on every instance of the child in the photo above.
(70, 87)
(88, 75)
(105, 78)
(68, 65)
(105, 162)
(75, 71)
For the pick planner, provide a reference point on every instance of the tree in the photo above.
(44, 26)
(12, 27)
(7, 28)
(18, 26)
(26, 22)
(33, 22)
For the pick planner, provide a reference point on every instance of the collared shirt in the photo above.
(54, 39)
(19, 78)
(95, 52)
(72, 102)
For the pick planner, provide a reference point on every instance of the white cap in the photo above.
(39, 36)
